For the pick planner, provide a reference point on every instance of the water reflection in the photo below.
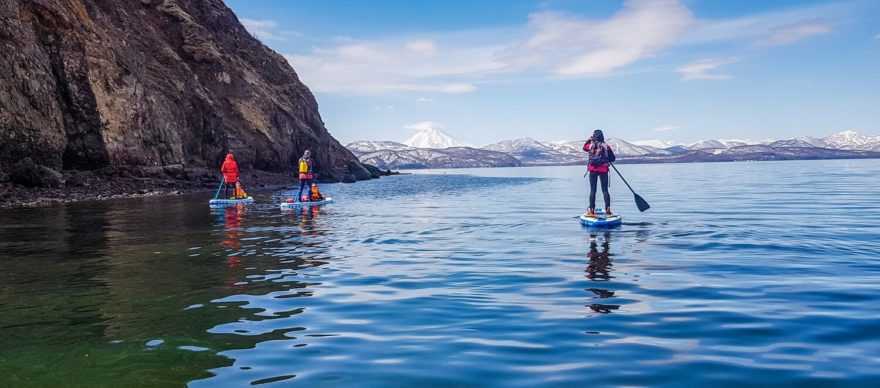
(599, 270)
(306, 218)
(232, 217)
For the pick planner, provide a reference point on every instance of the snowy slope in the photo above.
(455, 157)
(432, 138)
(852, 140)
(790, 143)
(659, 144)
(624, 148)
(362, 147)
(531, 151)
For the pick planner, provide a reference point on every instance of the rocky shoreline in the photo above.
(52, 187)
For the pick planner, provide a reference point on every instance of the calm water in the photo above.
(758, 273)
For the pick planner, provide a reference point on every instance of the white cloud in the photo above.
(550, 44)
(392, 66)
(384, 108)
(424, 99)
(424, 125)
(764, 26)
(570, 45)
(553, 43)
(457, 88)
(793, 33)
(699, 69)
(665, 128)
(423, 47)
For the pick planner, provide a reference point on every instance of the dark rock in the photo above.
(29, 174)
(323, 178)
(360, 172)
(108, 171)
(349, 178)
(74, 180)
(89, 84)
(176, 171)
(375, 172)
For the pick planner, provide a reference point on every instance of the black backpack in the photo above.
(598, 158)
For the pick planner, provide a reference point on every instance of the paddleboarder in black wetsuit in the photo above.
(600, 157)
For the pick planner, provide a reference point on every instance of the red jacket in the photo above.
(230, 169)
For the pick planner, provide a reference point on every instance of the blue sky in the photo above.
(486, 71)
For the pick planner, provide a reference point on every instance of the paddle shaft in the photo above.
(217, 194)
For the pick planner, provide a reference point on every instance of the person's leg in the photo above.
(605, 195)
(302, 183)
(225, 190)
(593, 177)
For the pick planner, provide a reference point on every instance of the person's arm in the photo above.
(587, 144)
(611, 156)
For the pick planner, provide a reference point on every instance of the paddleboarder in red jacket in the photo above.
(230, 173)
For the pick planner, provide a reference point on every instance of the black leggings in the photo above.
(603, 177)
(304, 184)
(227, 187)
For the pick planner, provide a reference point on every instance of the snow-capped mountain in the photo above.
(720, 143)
(528, 151)
(624, 148)
(813, 141)
(531, 151)
(455, 157)
(660, 144)
(433, 138)
(706, 145)
(574, 149)
(791, 143)
(362, 147)
(852, 140)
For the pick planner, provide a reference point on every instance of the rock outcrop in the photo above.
(88, 84)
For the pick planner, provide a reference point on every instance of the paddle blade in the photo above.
(641, 203)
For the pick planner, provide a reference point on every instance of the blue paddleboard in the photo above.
(601, 220)
(220, 202)
(297, 205)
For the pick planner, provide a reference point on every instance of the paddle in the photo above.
(640, 202)
(218, 188)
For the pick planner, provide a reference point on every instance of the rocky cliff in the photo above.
(87, 84)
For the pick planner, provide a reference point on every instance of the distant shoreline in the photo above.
(659, 160)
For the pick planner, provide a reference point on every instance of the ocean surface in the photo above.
(741, 273)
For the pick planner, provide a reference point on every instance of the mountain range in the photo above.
(433, 148)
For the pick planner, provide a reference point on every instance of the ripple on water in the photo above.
(459, 280)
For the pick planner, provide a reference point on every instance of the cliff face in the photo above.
(90, 83)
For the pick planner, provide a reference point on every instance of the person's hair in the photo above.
(598, 136)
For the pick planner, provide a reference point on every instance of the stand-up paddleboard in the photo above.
(600, 219)
(220, 202)
(297, 205)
